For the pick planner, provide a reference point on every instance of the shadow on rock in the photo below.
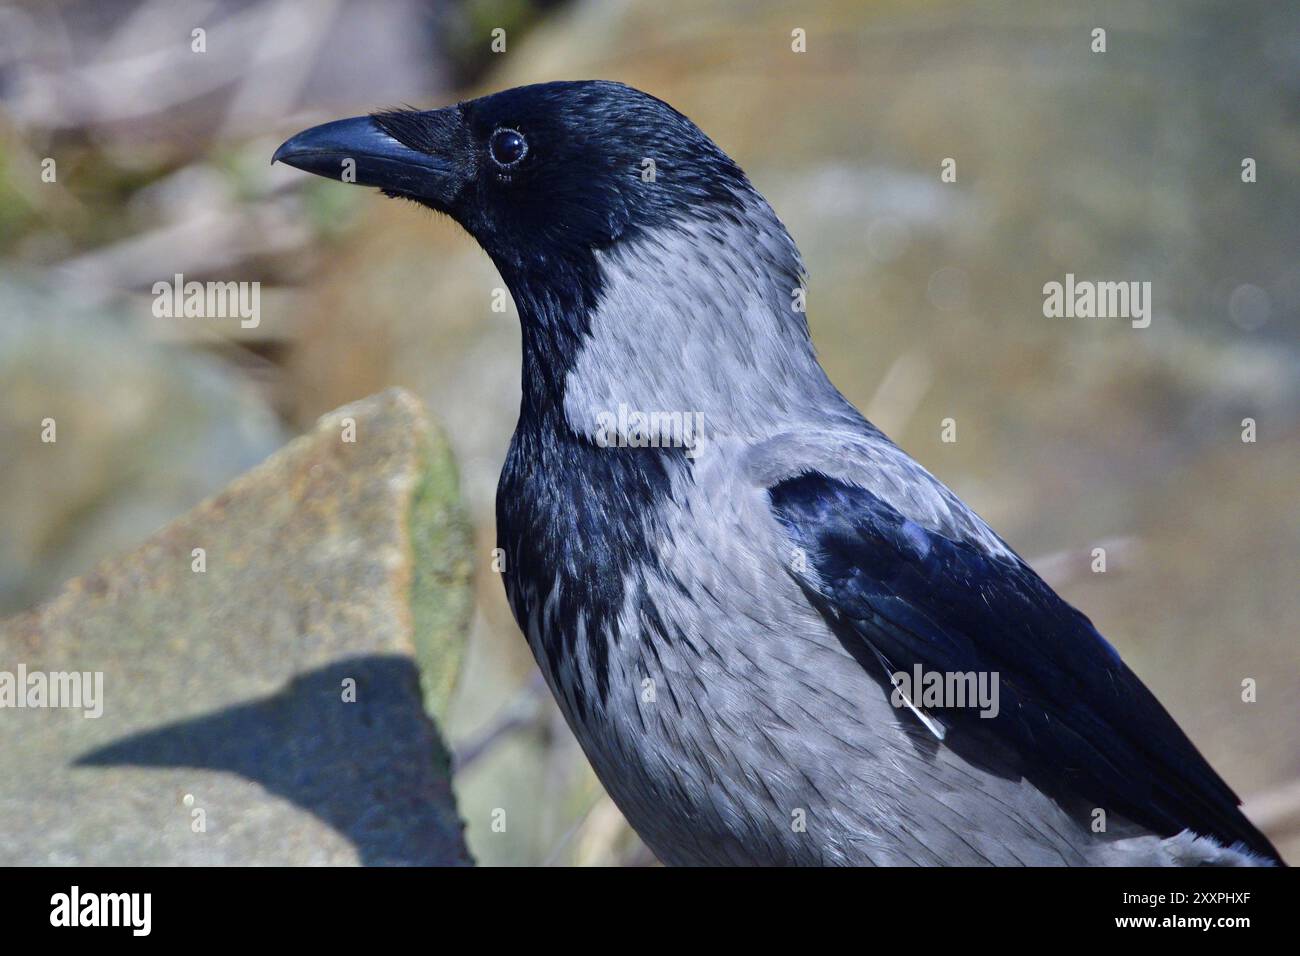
(374, 768)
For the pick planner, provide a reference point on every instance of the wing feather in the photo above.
(1069, 706)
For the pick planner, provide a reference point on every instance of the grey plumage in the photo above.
(761, 720)
(718, 622)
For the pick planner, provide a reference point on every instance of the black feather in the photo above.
(1082, 721)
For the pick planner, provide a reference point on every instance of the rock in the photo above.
(228, 732)
(143, 433)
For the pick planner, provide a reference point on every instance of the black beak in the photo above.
(359, 151)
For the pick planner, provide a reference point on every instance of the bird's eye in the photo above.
(507, 147)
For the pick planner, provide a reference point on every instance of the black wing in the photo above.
(1069, 706)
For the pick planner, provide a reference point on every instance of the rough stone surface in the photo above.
(223, 691)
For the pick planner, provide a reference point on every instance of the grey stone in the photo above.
(224, 690)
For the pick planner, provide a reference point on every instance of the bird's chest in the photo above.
(576, 534)
(665, 637)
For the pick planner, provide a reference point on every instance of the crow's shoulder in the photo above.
(903, 570)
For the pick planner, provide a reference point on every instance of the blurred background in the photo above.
(925, 300)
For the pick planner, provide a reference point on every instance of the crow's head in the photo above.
(625, 236)
(542, 176)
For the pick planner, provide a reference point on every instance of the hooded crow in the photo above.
(777, 637)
